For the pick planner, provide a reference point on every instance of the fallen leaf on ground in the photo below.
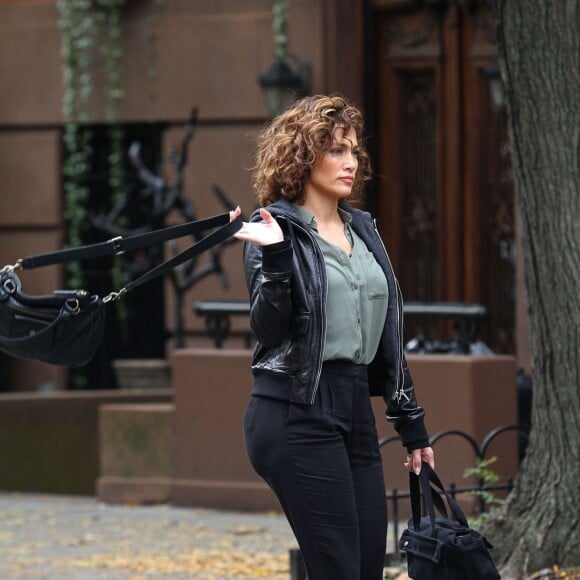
(246, 530)
(220, 562)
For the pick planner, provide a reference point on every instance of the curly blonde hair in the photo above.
(290, 145)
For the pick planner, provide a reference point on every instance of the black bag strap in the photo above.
(202, 245)
(119, 244)
(432, 499)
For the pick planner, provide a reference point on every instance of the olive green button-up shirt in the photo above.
(356, 305)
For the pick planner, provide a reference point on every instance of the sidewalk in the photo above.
(52, 537)
(56, 538)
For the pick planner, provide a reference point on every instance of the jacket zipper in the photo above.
(399, 393)
(322, 314)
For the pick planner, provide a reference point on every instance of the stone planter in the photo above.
(471, 393)
(142, 373)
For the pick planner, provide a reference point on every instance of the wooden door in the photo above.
(444, 191)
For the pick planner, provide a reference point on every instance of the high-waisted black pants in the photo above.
(322, 461)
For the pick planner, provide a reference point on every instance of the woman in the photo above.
(327, 312)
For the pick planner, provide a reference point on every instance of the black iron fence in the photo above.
(480, 451)
(297, 570)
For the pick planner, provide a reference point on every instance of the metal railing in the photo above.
(217, 315)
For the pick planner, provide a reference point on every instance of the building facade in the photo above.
(443, 194)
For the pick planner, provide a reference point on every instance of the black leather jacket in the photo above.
(287, 286)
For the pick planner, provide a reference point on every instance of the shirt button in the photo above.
(358, 320)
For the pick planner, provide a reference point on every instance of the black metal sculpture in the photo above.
(161, 199)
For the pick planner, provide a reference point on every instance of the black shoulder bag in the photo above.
(443, 548)
(66, 328)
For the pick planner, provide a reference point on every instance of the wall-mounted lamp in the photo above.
(288, 78)
(495, 85)
(282, 84)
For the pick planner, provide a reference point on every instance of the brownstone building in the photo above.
(443, 194)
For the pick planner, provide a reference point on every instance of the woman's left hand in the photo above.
(263, 232)
(414, 460)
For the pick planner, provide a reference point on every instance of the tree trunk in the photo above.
(539, 49)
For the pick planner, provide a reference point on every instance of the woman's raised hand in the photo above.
(262, 233)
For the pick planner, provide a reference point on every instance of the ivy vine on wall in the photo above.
(91, 42)
(91, 45)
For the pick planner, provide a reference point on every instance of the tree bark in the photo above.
(539, 50)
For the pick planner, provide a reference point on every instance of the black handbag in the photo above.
(442, 548)
(66, 327)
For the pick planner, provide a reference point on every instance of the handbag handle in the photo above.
(433, 500)
(202, 245)
(119, 245)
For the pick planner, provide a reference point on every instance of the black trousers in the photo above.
(323, 463)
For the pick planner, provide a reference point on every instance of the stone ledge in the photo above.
(226, 495)
(134, 490)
